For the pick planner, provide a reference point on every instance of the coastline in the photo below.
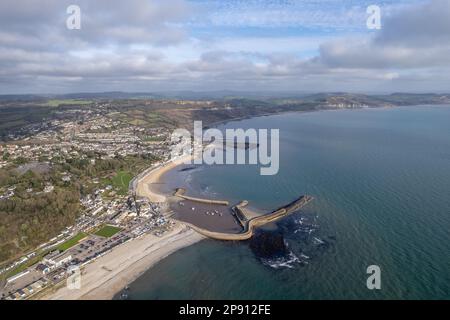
(144, 189)
(105, 277)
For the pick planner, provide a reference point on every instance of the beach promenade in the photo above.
(105, 277)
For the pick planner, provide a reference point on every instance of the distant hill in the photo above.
(20, 114)
(331, 97)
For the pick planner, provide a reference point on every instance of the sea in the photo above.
(380, 179)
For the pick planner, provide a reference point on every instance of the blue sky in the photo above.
(167, 45)
(285, 18)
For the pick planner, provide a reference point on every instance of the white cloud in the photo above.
(145, 46)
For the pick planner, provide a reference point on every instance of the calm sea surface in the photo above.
(381, 182)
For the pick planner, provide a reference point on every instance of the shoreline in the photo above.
(104, 289)
(103, 278)
(108, 275)
(144, 189)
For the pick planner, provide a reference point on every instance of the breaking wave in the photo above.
(288, 261)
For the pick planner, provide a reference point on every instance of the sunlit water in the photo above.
(381, 182)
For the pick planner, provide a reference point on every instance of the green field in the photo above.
(71, 242)
(40, 255)
(121, 181)
(23, 266)
(107, 231)
(57, 102)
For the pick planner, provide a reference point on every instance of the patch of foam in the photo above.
(288, 261)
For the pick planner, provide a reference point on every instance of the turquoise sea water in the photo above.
(381, 182)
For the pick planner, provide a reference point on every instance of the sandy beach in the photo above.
(106, 276)
(144, 187)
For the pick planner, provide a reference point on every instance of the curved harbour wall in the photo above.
(241, 213)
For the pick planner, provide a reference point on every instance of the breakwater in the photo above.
(249, 220)
(180, 193)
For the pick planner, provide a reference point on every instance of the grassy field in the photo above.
(71, 242)
(57, 102)
(22, 267)
(121, 181)
(145, 118)
(40, 255)
(138, 122)
(107, 231)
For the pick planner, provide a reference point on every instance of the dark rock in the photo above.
(268, 244)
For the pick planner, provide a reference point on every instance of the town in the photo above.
(109, 214)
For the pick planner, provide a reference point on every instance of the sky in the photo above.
(242, 45)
